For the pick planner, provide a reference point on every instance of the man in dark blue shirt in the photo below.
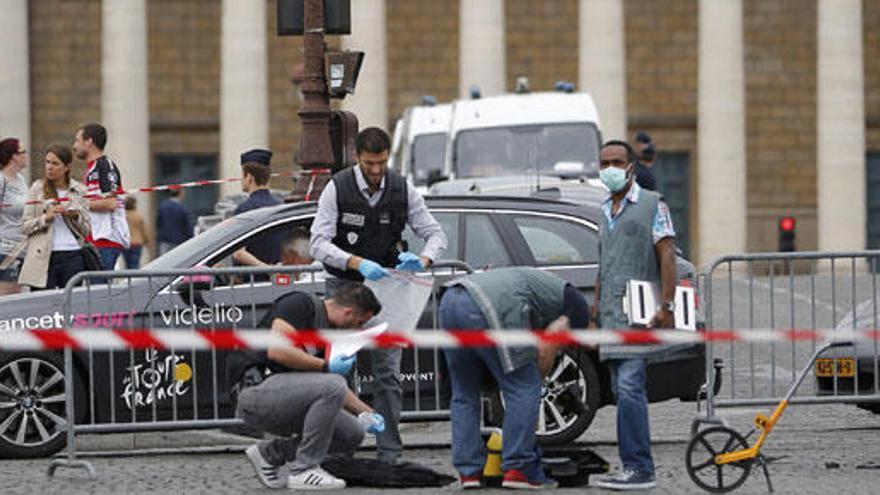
(173, 222)
(264, 249)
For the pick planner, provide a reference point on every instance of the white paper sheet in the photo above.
(351, 343)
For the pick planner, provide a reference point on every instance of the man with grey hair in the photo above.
(295, 249)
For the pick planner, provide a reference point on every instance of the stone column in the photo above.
(370, 101)
(602, 62)
(244, 87)
(15, 113)
(124, 97)
(840, 126)
(481, 47)
(721, 181)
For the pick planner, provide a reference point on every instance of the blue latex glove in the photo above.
(372, 422)
(341, 365)
(371, 270)
(409, 261)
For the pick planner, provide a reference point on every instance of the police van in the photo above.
(522, 133)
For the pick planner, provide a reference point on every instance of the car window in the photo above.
(483, 246)
(280, 234)
(554, 241)
(428, 155)
(449, 223)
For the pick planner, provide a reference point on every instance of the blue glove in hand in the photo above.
(409, 261)
(371, 270)
(372, 422)
(341, 365)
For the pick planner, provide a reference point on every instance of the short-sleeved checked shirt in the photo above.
(662, 226)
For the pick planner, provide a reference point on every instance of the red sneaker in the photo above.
(516, 479)
(472, 482)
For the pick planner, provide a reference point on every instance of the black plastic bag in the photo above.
(372, 473)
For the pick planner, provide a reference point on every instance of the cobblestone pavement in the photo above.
(818, 449)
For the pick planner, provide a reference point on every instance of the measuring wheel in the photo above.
(700, 460)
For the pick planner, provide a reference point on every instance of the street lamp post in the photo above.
(315, 148)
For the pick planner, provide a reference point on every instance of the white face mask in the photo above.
(614, 178)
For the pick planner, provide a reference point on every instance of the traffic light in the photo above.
(787, 226)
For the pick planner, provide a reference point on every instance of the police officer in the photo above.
(645, 153)
(265, 249)
(357, 234)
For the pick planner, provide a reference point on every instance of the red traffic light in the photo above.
(787, 224)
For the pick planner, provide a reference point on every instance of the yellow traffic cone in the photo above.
(492, 473)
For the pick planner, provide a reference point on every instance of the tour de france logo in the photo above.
(156, 380)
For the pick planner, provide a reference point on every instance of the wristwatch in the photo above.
(669, 306)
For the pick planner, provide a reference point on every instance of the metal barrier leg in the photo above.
(71, 461)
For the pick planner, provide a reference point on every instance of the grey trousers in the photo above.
(387, 392)
(308, 405)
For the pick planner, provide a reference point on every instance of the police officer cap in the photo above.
(643, 137)
(260, 156)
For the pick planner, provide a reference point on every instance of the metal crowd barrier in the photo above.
(793, 291)
(176, 389)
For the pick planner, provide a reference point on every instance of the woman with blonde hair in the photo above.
(56, 226)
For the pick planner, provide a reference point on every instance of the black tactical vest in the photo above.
(366, 231)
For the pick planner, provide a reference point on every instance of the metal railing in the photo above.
(175, 389)
(792, 291)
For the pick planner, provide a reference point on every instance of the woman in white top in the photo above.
(13, 193)
(54, 228)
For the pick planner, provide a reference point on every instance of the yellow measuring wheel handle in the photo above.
(765, 424)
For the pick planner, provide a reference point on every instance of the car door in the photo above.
(155, 382)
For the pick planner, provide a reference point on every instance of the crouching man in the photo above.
(513, 298)
(300, 395)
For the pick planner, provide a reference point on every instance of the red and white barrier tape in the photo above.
(182, 185)
(202, 339)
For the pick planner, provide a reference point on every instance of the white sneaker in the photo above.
(267, 473)
(314, 479)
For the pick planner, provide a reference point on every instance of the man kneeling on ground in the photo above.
(302, 396)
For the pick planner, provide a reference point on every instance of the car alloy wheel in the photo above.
(569, 399)
(32, 405)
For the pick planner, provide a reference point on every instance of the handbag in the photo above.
(91, 257)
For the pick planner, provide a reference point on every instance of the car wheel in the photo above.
(32, 405)
(569, 400)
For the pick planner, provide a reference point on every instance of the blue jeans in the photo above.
(468, 371)
(132, 257)
(633, 427)
(109, 256)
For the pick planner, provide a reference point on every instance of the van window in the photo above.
(428, 154)
(525, 149)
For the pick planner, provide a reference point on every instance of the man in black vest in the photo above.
(357, 234)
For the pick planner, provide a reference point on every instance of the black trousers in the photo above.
(63, 265)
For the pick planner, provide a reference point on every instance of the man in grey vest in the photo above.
(636, 242)
(516, 298)
(357, 235)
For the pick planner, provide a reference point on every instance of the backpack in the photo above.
(358, 471)
(572, 466)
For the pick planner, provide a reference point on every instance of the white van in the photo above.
(420, 141)
(545, 133)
